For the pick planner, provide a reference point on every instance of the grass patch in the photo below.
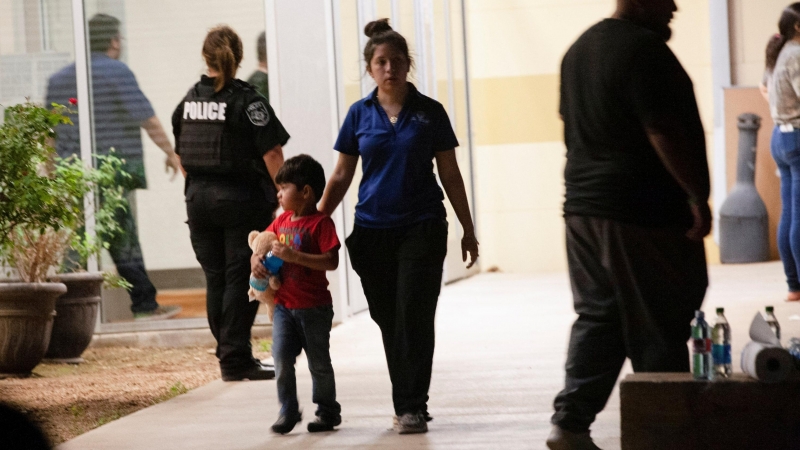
(109, 417)
(263, 345)
(173, 391)
(77, 410)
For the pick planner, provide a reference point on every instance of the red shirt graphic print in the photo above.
(314, 234)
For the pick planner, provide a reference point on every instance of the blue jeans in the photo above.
(785, 148)
(310, 330)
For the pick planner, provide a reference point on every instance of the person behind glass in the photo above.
(260, 77)
(784, 105)
(399, 239)
(308, 245)
(120, 110)
(230, 145)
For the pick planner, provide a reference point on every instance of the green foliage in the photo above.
(42, 195)
(104, 181)
(114, 280)
(175, 390)
(26, 197)
(77, 410)
(110, 417)
(263, 345)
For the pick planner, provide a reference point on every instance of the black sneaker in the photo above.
(410, 423)
(285, 424)
(321, 423)
(561, 439)
(256, 372)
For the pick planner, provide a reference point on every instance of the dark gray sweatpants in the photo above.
(635, 290)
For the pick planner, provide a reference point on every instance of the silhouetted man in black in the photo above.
(636, 209)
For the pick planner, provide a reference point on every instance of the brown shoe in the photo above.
(561, 439)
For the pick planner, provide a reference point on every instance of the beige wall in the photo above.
(515, 50)
(751, 25)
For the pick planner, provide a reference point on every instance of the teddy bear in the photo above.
(261, 289)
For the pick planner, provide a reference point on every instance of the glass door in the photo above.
(140, 67)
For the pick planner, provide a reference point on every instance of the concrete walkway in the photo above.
(501, 344)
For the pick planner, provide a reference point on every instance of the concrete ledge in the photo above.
(168, 338)
(673, 411)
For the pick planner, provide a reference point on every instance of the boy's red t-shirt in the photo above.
(314, 234)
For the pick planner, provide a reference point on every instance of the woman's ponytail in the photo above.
(774, 46)
(222, 51)
(787, 27)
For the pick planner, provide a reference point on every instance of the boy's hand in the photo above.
(283, 252)
(258, 269)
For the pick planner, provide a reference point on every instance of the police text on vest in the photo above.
(204, 110)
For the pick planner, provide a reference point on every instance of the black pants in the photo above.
(127, 256)
(126, 252)
(401, 273)
(635, 291)
(220, 218)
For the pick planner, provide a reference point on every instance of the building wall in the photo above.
(515, 51)
(751, 25)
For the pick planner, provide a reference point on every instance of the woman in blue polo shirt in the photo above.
(399, 240)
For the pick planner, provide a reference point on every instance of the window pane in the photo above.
(145, 55)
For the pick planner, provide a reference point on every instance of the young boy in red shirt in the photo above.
(308, 245)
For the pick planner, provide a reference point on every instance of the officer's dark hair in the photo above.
(102, 29)
(786, 28)
(222, 51)
(380, 32)
(302, 170)
(261, 45)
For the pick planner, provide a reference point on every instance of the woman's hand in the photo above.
(284, 252)
(469, 244)
(337, 185)
(258, 269)
(453, 184)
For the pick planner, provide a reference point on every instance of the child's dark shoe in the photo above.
(322, 423)
(285, 424)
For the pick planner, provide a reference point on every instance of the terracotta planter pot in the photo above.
(26, 320)
(76, 316)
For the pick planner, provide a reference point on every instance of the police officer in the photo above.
(230, 145)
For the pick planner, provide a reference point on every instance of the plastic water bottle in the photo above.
(721, 346)
(773, 322)
(701, 347)
(272, 263)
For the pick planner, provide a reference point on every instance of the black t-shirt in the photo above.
(254, 128)
(616, 79)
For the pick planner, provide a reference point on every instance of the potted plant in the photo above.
(77, 310)
(35, 211)
(41, 214)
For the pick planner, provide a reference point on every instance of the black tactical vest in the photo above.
(212, 141)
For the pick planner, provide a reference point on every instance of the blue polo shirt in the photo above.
(120, 107)
(398, 186)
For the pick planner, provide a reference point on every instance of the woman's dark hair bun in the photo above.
(377, 26)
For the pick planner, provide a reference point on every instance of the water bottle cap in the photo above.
(720, 310)
(769, 309)
(699, 314)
